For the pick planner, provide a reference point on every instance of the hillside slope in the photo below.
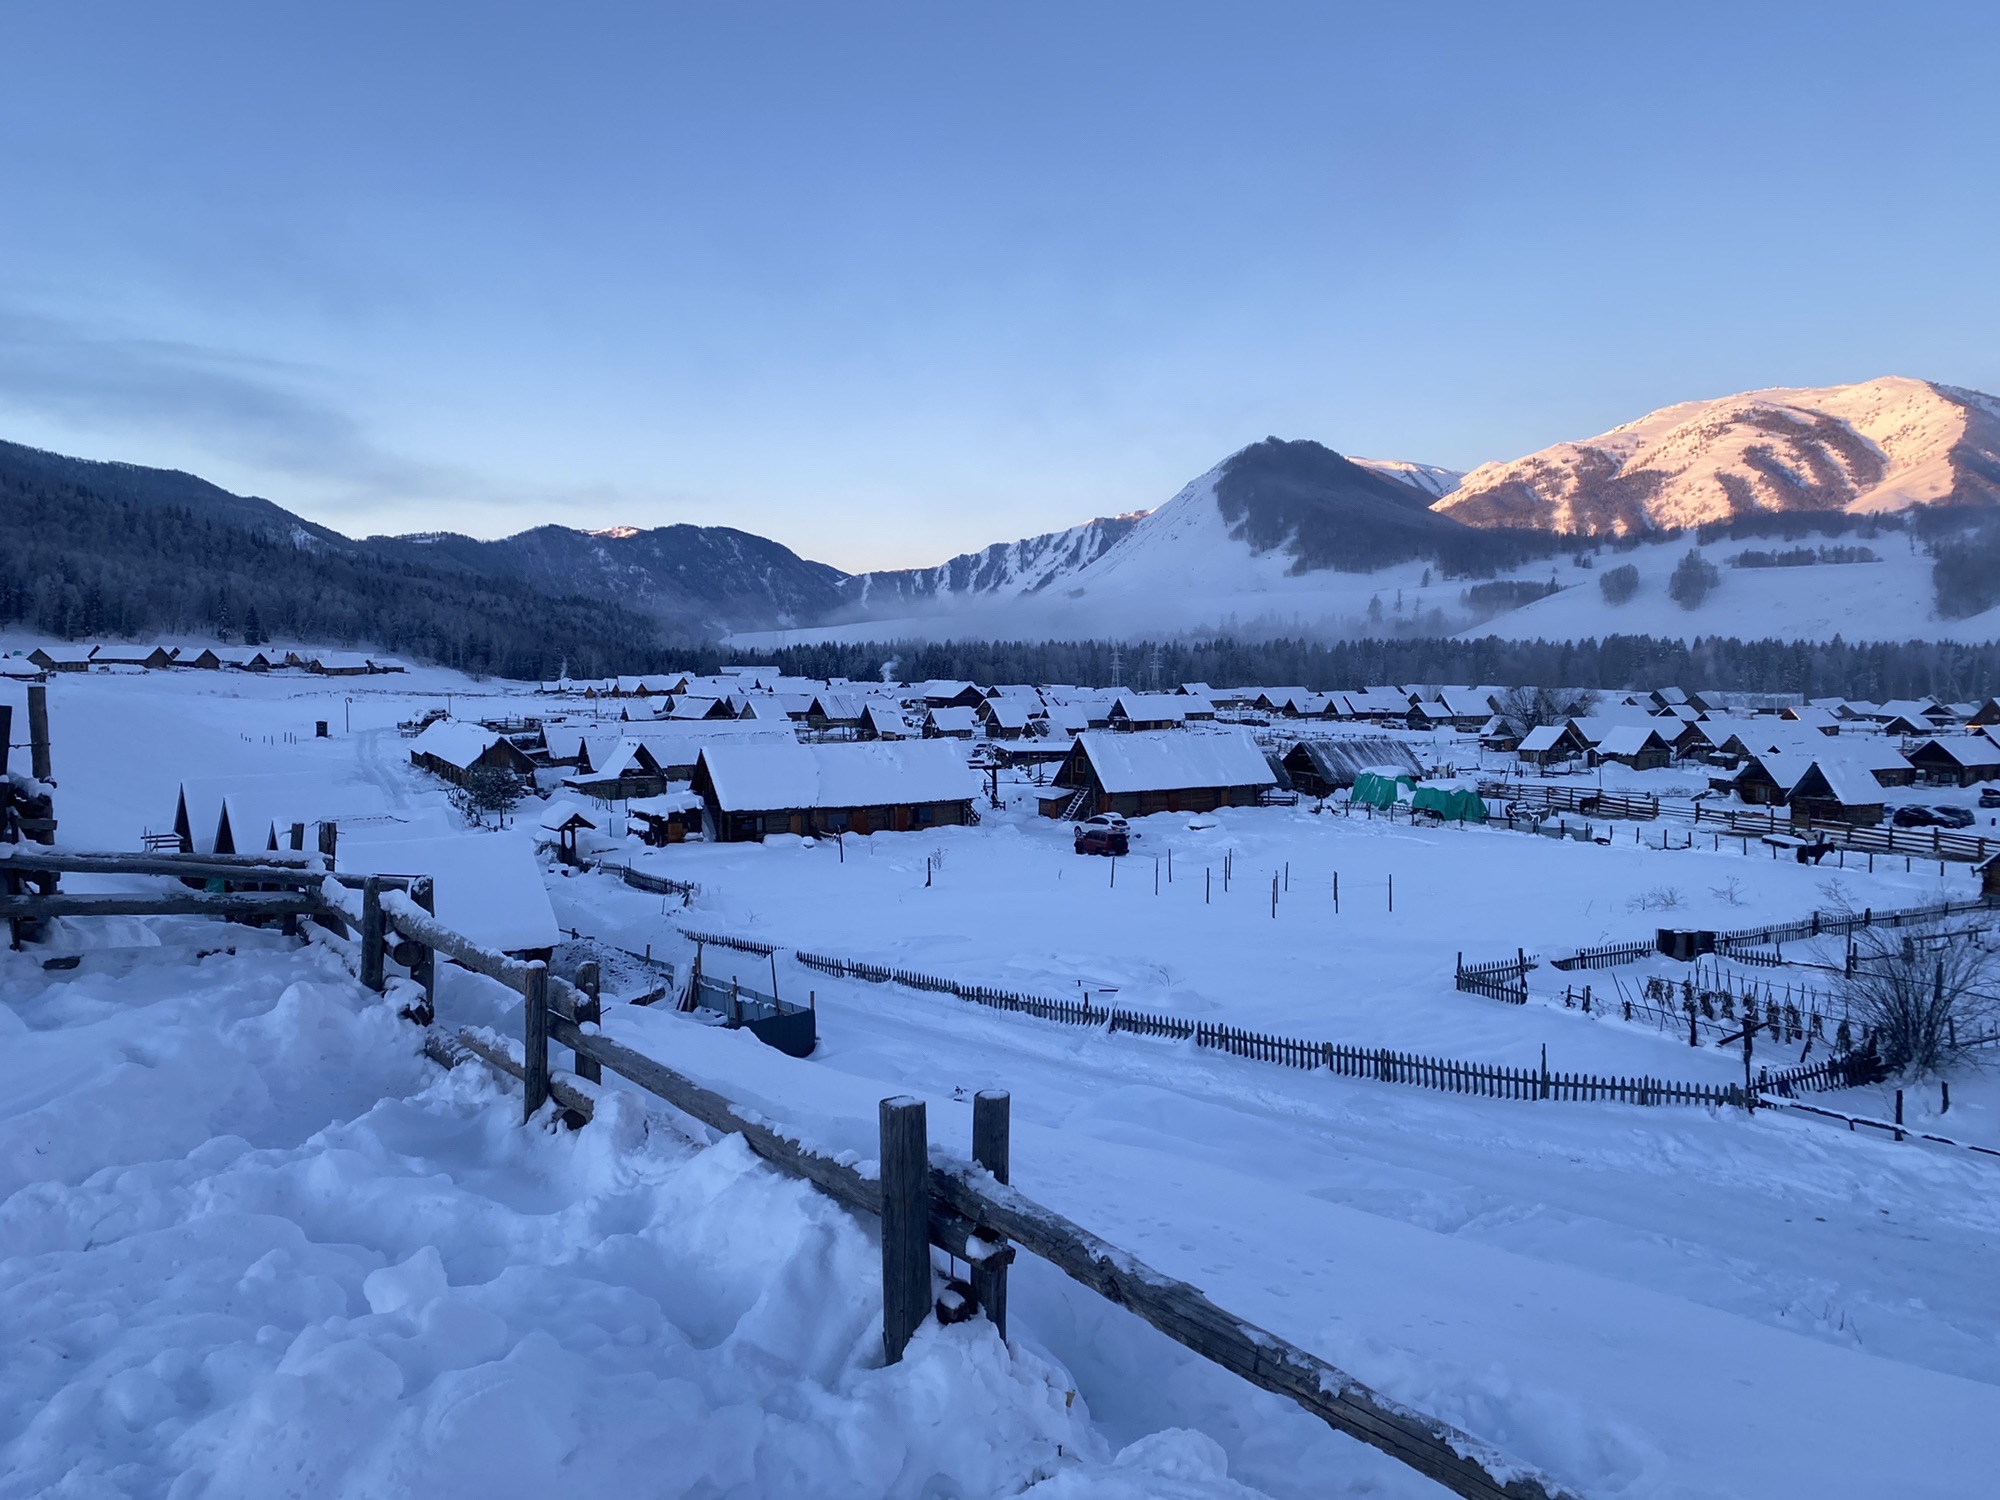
(693, 579)
(1882, 445)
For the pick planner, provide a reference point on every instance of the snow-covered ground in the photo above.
(251, 1242)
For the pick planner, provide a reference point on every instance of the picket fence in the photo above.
(1449, 1075)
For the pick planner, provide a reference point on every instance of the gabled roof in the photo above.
(1963, 749)
(1629, 739)
(1846, 783)
(1151, 708)
(874, 773)
(953, 720)
(1167, 760)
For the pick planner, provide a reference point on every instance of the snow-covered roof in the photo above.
(679, 799)
(678, 745)
(564, 809)
(1008, 713)
(1849, 784)
(1628, 739)
(871, 773)
(1152, 708)
(1166, 760)
(885, 718)
(954, 720)
(1542, 737)
(487, 886)
(456, 742)
(1967, 749)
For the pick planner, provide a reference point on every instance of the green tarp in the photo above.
(1376, 791)
(1454, 804)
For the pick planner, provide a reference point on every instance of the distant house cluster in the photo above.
(163, 658)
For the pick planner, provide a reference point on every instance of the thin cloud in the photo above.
(262, 414)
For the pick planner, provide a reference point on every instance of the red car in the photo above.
(1104, 834)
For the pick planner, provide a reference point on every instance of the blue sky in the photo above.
(890, 282)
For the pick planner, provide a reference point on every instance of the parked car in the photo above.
(1915, 815)
(1990, 797)
(1954, 817)
(1106, 833)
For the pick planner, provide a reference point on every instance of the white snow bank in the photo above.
(252, 1244)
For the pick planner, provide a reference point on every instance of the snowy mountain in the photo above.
(1429, 478)
(1006, 568)
(1882, 445)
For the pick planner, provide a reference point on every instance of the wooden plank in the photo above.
(371, 935)
(182, 903)
(1461, 1463)
(535, 1041)
(906, 1251)
(992, 1111)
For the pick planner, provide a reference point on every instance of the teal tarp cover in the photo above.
(1376, 791)
(1454, 804)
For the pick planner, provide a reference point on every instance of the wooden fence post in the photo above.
(991, 1111)
(535, 1039)
(589, 979)
(38, 731)
(423, 892)
(371, 934)
(906, 1244)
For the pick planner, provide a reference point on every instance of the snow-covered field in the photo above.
(252, 1242)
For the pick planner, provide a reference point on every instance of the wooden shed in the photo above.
(1320, 767)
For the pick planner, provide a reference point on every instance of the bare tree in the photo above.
(1924, 993)
(1526, 708)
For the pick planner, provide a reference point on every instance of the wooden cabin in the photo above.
(454, 748)
(953, 723)
(1636, 745)
(753, 790)
(1552, 744)
(1956, 760)
(1141, 773)
(1834, 791)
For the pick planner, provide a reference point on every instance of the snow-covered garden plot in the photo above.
(253, 1243)
(1008, 904)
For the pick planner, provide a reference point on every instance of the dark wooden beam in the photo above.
(163, 904)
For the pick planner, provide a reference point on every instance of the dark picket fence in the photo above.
(1503, 979)
(1488, 1080)
(1604, 956)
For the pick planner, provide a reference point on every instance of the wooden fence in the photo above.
(1923, 843)
(1530, 797)
(1503, 979)
(659, 885)
(966, 1210)
(1490, 1080)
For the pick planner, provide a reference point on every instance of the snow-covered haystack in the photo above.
(253, 1243)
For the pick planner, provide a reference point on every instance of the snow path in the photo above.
(253, 1244)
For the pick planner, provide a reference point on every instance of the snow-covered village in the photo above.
(721, 777)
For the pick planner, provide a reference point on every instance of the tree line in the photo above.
(1874, 670)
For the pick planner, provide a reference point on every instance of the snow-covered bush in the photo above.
(1619, 584)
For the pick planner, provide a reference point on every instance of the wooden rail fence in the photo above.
(923, 1200)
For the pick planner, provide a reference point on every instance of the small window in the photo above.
(926, 814)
